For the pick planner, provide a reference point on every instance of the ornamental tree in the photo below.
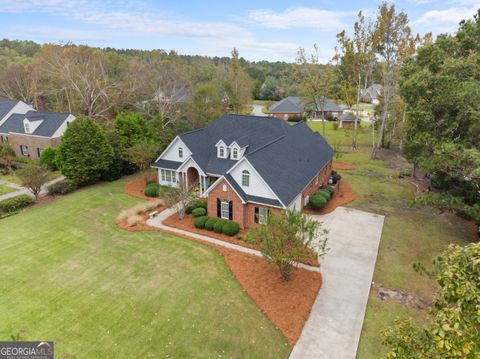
(287, 238)
(84, 153)
(454, 329)
(34, 177)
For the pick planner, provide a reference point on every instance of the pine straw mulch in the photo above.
(337, 165)
(342, 196)
(286, 304)
(187, 225)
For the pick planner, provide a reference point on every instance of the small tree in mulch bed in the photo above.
(180, 198)
(288, 238)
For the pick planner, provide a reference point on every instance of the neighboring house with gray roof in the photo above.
(372, 94)
(347, 120)
(248, 165)
(29, 131)
(294, 106)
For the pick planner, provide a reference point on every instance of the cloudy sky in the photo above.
(271, 30)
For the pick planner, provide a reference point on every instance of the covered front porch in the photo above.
(195, 181)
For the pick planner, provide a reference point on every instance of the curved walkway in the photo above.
(23, 190)
(157, 222)
(335, 323)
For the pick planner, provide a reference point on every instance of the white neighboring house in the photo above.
(372, 94)
(248, 165)
(29, 131)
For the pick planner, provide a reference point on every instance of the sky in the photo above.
(261, 30)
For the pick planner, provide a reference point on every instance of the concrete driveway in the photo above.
(335, 323)
(257, 110)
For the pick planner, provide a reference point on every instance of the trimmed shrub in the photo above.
(218, 226)
(152, 190)
(330, 189)
(230, 228)
(318, 202)
(48, 157)
(14, 204)
(198, 212)
(199, 222)
(323, 193)
(62, 187)
(210, 223)
(195, 204)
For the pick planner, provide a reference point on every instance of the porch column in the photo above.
(200, 185)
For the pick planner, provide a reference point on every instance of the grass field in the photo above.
(69, 275)
(409, 235)
(6, 189)
(342, 136)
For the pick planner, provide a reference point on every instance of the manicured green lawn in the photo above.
(410, 234)
(6, 189)
(343, 136)
(69, 275)
(11, 177)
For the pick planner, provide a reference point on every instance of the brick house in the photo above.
(246, 166)
(29, 131)
(293, 106)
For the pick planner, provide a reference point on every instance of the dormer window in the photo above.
(26, 126)
(234, 154)
(245, 178)
(221, 152)
(180, 152)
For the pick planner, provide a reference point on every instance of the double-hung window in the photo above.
(168, 176)
(225, 210)
(24, 150)
(261, 215)
(245, 178)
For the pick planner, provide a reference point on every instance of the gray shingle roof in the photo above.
(173, 165)
(287, 157)
(348, 117)
(5, 106)
(294, 104)
(373, 91)
(51, 121)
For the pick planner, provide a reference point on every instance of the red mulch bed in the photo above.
(342, 166)
(136, 188)
(187, 225)
(471, 228)
(286, 304)
(343, 195)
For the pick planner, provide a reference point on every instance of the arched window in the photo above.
(234, 154)
(245, 178)
(221, 152)
(180, 152)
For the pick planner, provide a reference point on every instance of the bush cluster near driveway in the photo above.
(218, 225)
(198, 212)
(321, 197)
(129, 294)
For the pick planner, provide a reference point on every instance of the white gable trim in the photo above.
(217, 182)
(220, 142)
(177, 138)
(199, 169)
(258, 174)
(63, 127)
